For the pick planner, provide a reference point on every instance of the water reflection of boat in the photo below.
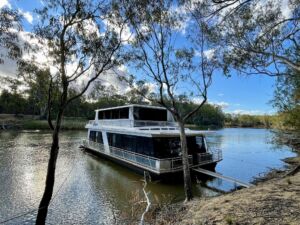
(146, 138)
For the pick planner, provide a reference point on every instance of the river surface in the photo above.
(90, 190)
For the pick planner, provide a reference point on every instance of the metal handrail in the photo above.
(155, 164)
(131, 123)
(213, 155)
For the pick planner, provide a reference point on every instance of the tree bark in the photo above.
(185, 163)
(50, 179)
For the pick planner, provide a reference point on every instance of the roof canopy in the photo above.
(132, 105)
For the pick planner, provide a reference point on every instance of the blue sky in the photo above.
(238, 94)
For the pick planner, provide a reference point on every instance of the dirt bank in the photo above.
(276, 201)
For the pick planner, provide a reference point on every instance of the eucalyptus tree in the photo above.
(166, 65)
(287, 99)
(254, 36)
(83, 40)
(10, 25)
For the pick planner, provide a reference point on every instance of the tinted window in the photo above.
(122, 113)
(99, 137)
(167, 147)
(141, 145)
(163, 147)
(107, 114)
(196, 144)
(92, 136)
(140, 113)
(100, 115)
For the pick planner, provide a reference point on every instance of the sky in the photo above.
(237, 94)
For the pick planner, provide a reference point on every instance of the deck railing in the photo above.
(131, 123)
(147, 162)
(213, 155)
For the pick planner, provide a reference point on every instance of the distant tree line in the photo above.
(12, 102)
(263, 121)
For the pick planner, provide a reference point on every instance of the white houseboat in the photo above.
(146, 138)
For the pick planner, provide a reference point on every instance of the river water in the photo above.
(90, 190)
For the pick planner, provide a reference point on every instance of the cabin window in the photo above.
(99, 137)
(122, 113)
(92, 136)
(141, 145)
(140, 113)
(201, 142)
(100, 115)
(196, 144)
(159, 147)
(107, 114)
(167, 147)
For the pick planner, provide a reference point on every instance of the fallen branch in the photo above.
(295, 170)
(147, 198)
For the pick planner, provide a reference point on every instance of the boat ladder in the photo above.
(218, 175)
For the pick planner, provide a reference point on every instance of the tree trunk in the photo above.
(50, 179)
(185, 162)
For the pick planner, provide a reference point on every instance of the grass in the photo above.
(43, 124)
(29, 122)
(229, 220)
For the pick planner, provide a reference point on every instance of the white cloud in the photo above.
(221, 104)
(5, 3)
(220, 94)
(209, 54)
(8, 68)
(247, 112)
(126, 34)
(27, 15)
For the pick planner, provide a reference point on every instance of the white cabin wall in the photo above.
(96, 115)
(105, 141)
(131, 113)
(88, 134)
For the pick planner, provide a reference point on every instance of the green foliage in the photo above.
(229, 220)
(13, 103)
(10, 25)
(287, 99)
(73, 124)
(263, 121)
(253, 37)
(208, 115)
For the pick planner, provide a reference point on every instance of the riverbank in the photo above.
(274, 200)
(28, 122)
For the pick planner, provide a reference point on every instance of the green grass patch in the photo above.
(43, 124)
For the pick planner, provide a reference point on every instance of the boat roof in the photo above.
(132, 105)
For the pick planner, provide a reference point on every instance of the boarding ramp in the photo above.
(218, 175)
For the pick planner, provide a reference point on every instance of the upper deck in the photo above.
(133, 116)
(142, 120)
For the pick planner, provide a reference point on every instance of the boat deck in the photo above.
(151, 164)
